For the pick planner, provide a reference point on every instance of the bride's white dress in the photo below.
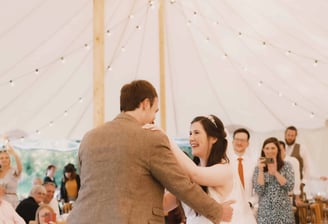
(242, 213)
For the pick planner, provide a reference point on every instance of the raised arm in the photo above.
(215, 175)
(11, 151)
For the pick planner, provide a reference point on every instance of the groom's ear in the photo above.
(144, 104)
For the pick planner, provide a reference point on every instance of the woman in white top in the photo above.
(8, 214)
(211, 170)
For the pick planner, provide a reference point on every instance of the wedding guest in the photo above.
(45, 215)
(8, 215)
(27, 207)
(37, 181)
(273, 179)
(49, 198)
(308, 169)
(244, 164)
(50, 175)
(70, 184)
(9, 175)
(296, 193)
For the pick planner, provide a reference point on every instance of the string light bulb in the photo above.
(65, 113)
(288, 52)
(36, 71)
(312, 115)
(315, 63)
(11, 83)
(62, 59)
(151, 3)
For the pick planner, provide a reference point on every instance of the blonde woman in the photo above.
(9, 176)
(45, 215)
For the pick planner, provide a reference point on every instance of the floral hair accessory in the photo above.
(211, 118)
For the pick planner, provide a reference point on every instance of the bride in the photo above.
(211, 170)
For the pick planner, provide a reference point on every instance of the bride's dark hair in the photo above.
(213, 127)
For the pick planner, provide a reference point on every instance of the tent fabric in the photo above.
(259, 64)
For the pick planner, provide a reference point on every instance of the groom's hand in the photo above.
(227, 210)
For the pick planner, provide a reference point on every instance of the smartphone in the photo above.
(269, 160)
(51, 217)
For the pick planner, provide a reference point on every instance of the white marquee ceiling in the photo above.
(261, 64)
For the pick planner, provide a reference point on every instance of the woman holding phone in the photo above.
(272, 180)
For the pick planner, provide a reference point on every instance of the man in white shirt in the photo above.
(240, 144)
(307, 169)
(295, 164)
(8, 214)
(49, 198)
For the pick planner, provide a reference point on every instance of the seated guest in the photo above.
(27, 207)
(45, 215)
(8, 214)
(49, 199)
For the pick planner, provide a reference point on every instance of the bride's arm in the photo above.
(215, 175)
(184, 161)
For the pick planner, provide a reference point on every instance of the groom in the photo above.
(124, 169)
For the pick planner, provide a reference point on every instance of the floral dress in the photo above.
(275, 207)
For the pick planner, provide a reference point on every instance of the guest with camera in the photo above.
(272, 180)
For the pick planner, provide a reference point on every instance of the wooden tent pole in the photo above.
(98, 63)
(161, 24)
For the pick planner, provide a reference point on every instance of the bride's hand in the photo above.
(153, 127)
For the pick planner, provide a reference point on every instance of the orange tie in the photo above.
(241, 171)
